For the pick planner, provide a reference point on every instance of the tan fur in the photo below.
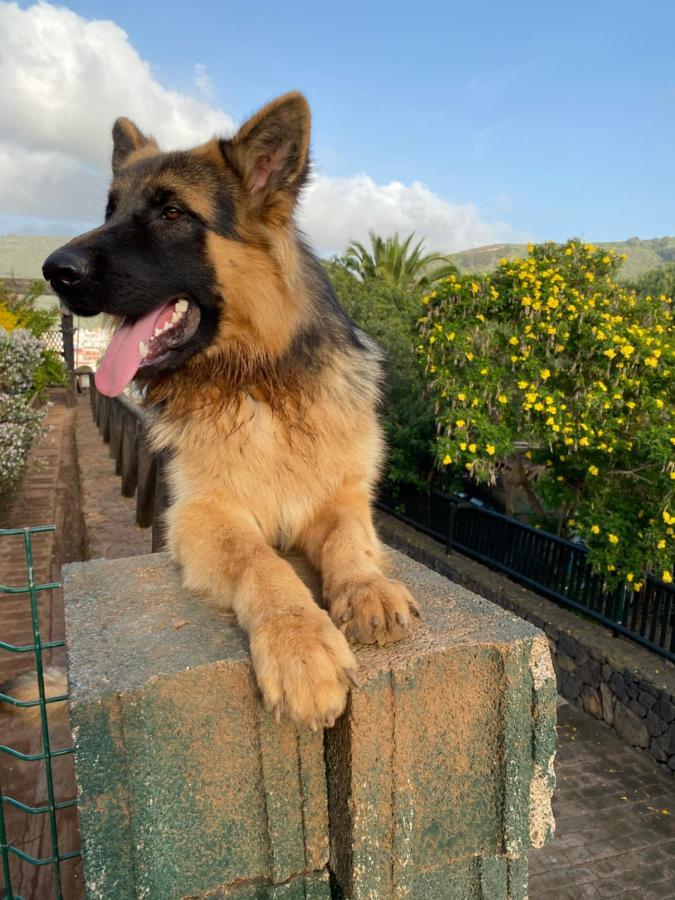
(268, 456)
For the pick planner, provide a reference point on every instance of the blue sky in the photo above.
(555, 120)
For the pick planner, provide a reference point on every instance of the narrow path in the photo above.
(615, 819)
(109, 517)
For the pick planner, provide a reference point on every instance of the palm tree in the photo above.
(397, 262)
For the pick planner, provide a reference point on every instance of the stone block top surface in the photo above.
(130, 620)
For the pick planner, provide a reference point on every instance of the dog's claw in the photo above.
(352, 676)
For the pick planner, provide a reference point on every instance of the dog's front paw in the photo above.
(303, 665)
(376, 611)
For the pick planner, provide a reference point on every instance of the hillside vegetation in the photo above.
(23, 256)
(642, 256)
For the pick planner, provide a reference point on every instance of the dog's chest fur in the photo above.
(281, 466)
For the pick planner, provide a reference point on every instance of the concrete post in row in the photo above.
(434, 784)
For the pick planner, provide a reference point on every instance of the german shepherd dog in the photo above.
(264, 392)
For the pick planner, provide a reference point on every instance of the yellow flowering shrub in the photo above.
(567, 375)
(8, 320)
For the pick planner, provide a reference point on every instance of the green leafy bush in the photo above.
(21, 312)
(20, 422)
(550, 367)
(389, 315)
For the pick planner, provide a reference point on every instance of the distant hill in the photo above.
(643, 256)
(22, 256)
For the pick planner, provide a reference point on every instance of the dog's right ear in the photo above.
(128, 139)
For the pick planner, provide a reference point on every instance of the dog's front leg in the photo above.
(303, 664)
(341, 542)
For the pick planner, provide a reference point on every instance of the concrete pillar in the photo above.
(434, 783)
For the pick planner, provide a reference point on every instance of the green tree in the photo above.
(389, 315)
(396, 262)
(550, 366)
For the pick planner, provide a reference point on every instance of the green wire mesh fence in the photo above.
(39, 650)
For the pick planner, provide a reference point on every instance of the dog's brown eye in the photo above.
(171, 213)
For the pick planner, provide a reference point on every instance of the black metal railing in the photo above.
(551, 566)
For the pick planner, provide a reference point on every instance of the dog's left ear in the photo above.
(127, 139)
(270, 152)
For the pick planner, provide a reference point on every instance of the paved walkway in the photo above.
(110, 518)
(615, 814)
(48, 496)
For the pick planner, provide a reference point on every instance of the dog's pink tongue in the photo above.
(123, 358)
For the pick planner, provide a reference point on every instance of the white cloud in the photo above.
(337, 210)
(64, 81)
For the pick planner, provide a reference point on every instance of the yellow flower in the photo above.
(502, 398)
(584, 442)
(612, 538)
(483, 371)
(539, 406)
(661, 544)
(513, 341)
(490, 450)
(462, 446)
(522, 385)
(460, 423)
(447, 460)
(593, 470)
(666, 576)
(610, 354)
(469, 356)
(595, 529)
(461, 396)
(472, 448)
(629, 577)
(544, 374)
(531, 397)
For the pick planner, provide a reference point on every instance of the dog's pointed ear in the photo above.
(270, 152)
(127, 139)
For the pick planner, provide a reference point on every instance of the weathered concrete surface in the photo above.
(439, 774)
(442, 767)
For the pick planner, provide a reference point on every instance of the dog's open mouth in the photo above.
(146, 341)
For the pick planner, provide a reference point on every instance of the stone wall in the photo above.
(613, 679)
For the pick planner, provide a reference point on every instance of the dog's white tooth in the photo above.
(142, 349)
(167, 326)
(158, 331)
(181, 305)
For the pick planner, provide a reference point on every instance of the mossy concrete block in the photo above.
(187, 787)
(439, 775)
(441, 772)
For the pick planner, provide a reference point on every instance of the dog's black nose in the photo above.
(65, 268)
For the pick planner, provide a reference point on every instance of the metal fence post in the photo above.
(450, 536)
(67, 332)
